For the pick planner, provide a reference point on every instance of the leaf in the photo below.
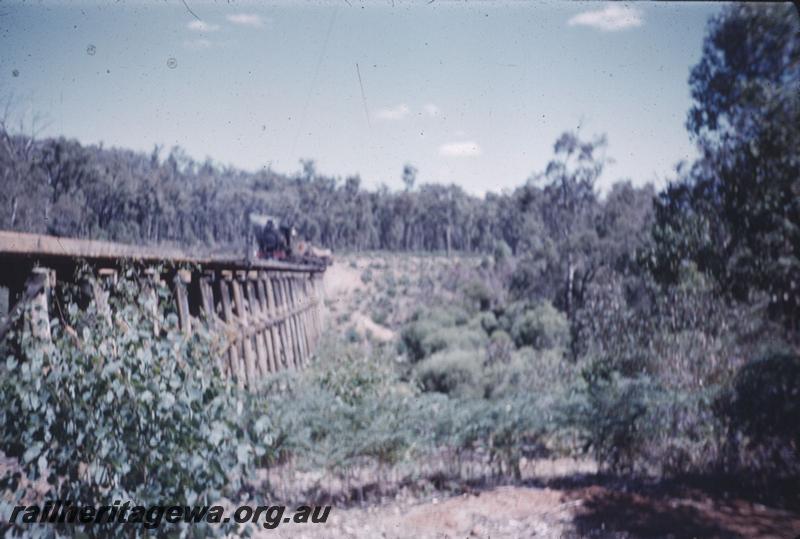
(243, 453)
(32, 452)
(167, 400)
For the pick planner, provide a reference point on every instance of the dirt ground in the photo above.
(501, 512)
(549, 512)
(344, 288)
(372, 294)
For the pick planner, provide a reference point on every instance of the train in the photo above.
(272, 239)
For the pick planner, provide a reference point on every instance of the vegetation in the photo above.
(657, 332)
(734, 214)
(113, 410)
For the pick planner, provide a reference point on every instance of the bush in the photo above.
(437, 330)
(113, 411)
(455, 338)
(444, 317)
(366, 275)
(452, 372)
(763, 406)
(616, 420)
(545, 374)
(501, 252)
(351, 375)
(542, 327)
(352, 410)
(414, 338)
(478, 295)
(489, 322)
(500, 347)
(356, 411)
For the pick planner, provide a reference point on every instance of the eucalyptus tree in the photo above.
(563, 231)
(735, 214)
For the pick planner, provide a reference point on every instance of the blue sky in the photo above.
(473, 93)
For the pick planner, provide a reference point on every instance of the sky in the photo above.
(472, 93)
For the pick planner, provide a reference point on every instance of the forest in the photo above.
(655, 330)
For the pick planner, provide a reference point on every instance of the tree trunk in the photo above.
(14, 212)
(570, 285)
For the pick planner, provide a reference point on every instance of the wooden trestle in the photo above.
(270, 313)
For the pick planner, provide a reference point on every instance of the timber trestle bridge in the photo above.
(269, 312)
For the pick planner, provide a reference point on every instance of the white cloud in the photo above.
(431, 109)
(393, 113)
(246, 19)
(200, 26)
(460, 149)
(197, 44)
(611, 18)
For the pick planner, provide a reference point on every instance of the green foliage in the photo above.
(453, 372)
(735, 214)
(454, 338)
(352, 335)
(439, 329)
(360, 412)
(542, 327)
(117, 412)
(616, 417)
(528, 370)
(763, 405)
(478, 294)
(489, 322)
(382, 308)
(500, 347)
(501, 252)
(414, 337)
(351, 375)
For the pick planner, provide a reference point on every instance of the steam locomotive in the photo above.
(272, 240)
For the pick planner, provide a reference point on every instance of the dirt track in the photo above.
(500, 512)
(516, 511)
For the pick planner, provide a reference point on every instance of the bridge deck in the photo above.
(42, 247)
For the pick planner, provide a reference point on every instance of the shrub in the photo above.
(542, 373)
(478, 295)
(453, 372)
(615, 417)
(444, 316)
(114, 411)
(352, 335)
(455, 338)
(763, 406)
(500, 347)
(414, 338)
(489, 322)
(351, 375)
(501, 252)
(542, 327)
(437, 330)
(350, 410)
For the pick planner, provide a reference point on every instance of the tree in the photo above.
(409, 176)
(735, 214)
(567, 206)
